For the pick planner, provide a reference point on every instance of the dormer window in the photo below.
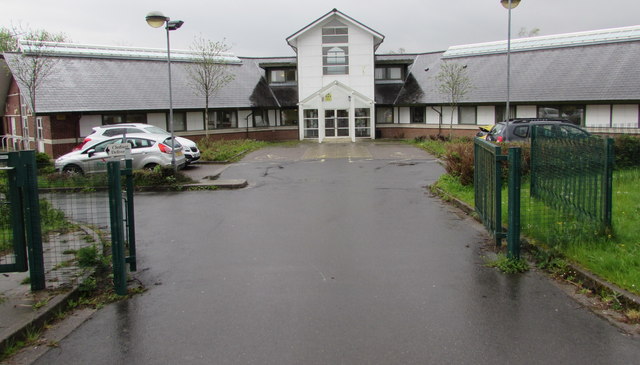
(281, 76)
(389, 73)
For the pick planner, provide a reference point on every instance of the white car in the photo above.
(190, 149)
(147, 151)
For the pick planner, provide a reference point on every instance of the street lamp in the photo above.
(156, 19)
(509, 4)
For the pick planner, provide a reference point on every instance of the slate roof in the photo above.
(590, 73)
(84, 84)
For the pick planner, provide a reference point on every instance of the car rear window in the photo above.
(521, 131)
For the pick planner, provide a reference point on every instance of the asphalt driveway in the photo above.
(331, 259)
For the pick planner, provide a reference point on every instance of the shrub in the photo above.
(627, 151)
(44, 163)
(458, 159)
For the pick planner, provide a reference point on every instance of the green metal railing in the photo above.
(488, 166)
(573, 175)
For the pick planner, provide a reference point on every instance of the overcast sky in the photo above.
(259, 28)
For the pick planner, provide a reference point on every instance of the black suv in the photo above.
(519, 129)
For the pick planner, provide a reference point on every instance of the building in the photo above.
(335, 87)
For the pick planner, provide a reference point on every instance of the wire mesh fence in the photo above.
(75, 223)
(568, 195)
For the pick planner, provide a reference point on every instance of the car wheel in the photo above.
(72, 169)
(150, 166)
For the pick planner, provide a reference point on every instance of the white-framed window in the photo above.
(388, 73)
(384, 115)
(363, 122)
(39, 129)
(282, 76)
(311, 123)
(335, 32)
(335, 60)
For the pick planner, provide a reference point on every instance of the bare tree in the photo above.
(525, 33)
(454, 84)
(32, 68)
(209, 72)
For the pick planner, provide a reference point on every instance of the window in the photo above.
(124, 118)
(335, 60)
(179, 122)
(39, 129)
(140, 142)
(282, 76)
(467, 115)
(363, 122)
(289, 117)
(574, 113)
(335, 32)
(500, 117)
(417, 114)
(384, 115)
(521, 131)
(219, 119)
(260, 118)
(388, 73)
(311, 123)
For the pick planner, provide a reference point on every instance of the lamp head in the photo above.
(156, 19)
(174, 24)
(514, 3)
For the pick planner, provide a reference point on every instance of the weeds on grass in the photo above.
(509, 265)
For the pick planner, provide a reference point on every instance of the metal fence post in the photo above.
(607, 185)
(513, 233)
(32, 219)
(131, 222)
(117, 229)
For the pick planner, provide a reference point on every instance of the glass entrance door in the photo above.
(336, 123)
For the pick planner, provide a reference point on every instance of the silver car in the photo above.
(189, 148)
(147, 151)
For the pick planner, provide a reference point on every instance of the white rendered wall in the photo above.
(242, 118)
(446, 115)
(597, 115)
(404, 115)
(486, 115)
(526, 111)
(433, 117)
(195, 121)
(157, 119)
(624, 115)
(87, 122)
(361, 66)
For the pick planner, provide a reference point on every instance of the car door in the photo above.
(96, 157)
(141, 151)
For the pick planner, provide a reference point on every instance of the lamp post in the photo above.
(509, 4)
(156, 19)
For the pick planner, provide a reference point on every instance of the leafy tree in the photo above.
(454, 84)
(209, 72)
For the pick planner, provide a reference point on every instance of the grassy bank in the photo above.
(614, 257)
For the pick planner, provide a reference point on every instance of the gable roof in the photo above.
(89, 84)
(335, 13)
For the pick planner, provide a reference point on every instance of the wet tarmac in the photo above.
(331, 261)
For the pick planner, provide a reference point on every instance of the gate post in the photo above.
(513, 232)
(29, 172)
(607, 185)
(117, 229)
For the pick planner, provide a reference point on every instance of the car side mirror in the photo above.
(91, 152)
